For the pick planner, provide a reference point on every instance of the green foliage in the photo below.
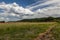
(48, 19)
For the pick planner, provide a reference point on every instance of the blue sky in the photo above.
(23, 3)
(11, 10)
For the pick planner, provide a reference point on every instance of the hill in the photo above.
(48, 19)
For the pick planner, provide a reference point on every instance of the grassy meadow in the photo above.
(26, 30)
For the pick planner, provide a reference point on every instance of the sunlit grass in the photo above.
(56, 32)
(22, 31)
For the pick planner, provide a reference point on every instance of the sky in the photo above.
(23, 3)
(13, 10)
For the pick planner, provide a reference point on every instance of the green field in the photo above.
(56, 32)
(27, 30)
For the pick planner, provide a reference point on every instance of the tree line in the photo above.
(48, 19)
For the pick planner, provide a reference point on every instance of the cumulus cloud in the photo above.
(13, 11)
(49, 13)
(52, 10)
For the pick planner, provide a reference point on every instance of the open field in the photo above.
(27, 30)
(56, 32)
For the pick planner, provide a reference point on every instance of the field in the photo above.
(27, 30)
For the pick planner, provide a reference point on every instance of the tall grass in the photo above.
(22, 31)
(56, 32)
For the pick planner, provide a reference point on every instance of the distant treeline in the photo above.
(48, 19)
(2, 21)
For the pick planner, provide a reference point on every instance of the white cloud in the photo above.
(1, 18)
(47, 2)
(53, 11)
(13, 11)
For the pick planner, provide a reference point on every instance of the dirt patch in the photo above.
(46, 35)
